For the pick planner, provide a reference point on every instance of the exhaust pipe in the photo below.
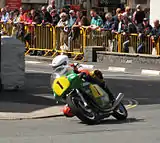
(116, 103)
(118, 100)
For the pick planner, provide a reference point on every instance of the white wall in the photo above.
(154, 10)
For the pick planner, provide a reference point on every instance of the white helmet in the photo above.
(60, 63)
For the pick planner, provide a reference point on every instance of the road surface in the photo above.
(142, 126)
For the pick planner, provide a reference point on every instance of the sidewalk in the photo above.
(21, 105)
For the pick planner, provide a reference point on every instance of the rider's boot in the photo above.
(67, 111)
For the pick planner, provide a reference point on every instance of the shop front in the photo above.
(100, 5)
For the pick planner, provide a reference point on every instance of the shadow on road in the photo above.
(146, 92)
(32, 98)
(114, 121)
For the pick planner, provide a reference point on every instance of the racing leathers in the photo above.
(96, 77)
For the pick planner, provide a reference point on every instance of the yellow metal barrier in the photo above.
(70, 42)
(100, 38)
(7, 28)
(136, 42)
(41, 38)
(56, 40)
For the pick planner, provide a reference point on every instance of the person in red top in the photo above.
(29, 19)
(23, 15)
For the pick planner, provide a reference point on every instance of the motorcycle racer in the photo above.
(94, 76)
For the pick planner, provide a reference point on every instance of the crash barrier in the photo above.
(40, 38)
(51, 40)
(69, 41)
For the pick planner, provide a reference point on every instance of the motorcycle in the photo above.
(88, 101)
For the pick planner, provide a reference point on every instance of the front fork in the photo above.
(85, 103)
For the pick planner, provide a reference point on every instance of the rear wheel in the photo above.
(78, 108)
(120, 113)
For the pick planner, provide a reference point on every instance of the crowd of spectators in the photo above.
(122, 22)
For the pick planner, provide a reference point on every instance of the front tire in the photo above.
(120, 113)
(76, 105)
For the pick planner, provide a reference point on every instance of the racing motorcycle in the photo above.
(88, 101)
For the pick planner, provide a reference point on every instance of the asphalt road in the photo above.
(142, 126)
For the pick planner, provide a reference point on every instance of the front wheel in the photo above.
(78, 108)
(121, 112)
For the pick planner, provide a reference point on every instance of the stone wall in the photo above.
(127, 58)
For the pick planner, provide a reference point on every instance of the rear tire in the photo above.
(122, 114)
(78, 110)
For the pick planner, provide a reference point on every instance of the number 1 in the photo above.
(60, 84)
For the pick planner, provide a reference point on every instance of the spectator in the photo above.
(155, 36)
(63, 24)
(5, 16)
(138, 16)
(127, 29)
(11, 16)
(55, 17)
(147, 28)
(23, 15)
(131, 27)
(108, 25)
(84, 19)
(29, 19)
(72, 18)
(51, 7)
(78, 19)
(127, 12)
(30, 32)
(16, 16)
(156, 31)
(119, 24)
(36, 17)
(76, 26)
(46, 17)
(115, 18)
(143, 33)
(96, 21)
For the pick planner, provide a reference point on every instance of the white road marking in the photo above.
(38, 71)
(116, 69)
(87, 66)
(150, 72)
(32, 62)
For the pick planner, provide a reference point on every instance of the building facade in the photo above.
(2, 3)
(144, 3)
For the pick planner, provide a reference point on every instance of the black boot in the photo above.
(111, 97)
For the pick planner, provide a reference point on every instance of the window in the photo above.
(140, 1)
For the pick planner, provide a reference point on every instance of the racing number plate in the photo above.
(96, 90)
(60, 85)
